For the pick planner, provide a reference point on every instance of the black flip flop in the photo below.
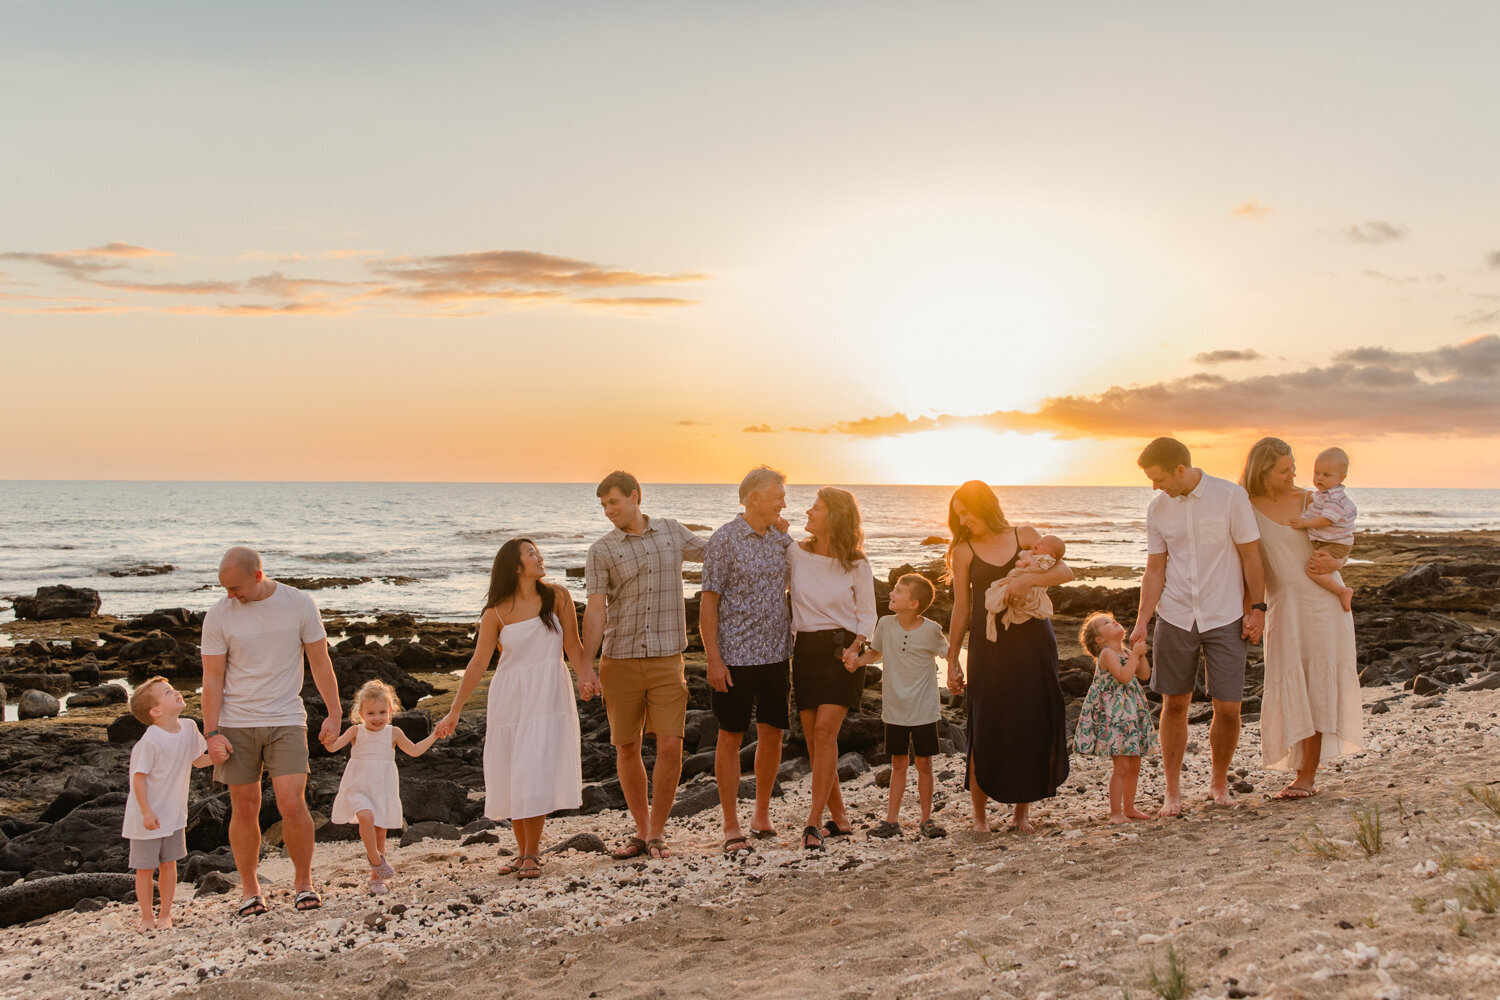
(307, 899)
(817, 838)
(252, 907)
(763, 834)
(833, 830)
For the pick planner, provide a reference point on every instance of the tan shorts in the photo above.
(280, 749)
(1336, 549)
(645, 694)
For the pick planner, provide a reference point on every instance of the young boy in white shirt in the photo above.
(911, 707)
(156, 808)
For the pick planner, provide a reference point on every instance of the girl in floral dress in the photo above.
(1115, 720)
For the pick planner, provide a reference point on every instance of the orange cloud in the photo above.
(1251, 210)
(1367, 392)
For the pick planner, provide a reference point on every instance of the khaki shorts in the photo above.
(1336, 549)
(647, 694)
(279, 749)
(158, 851)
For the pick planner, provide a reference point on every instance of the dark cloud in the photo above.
(1223, 356)
(1374, 231)
(1366, 392)
(758, 429)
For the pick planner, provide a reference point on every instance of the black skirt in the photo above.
(818, 674)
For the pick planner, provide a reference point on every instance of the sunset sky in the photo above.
(863, 242)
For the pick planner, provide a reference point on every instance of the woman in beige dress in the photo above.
(1310, 710)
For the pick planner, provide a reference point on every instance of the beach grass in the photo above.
(1368, 830)
(1170, 983)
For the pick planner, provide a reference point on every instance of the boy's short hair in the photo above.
(1088, 636)
(1338, 455)
(142, 700)
(919, 587)
(1166, 454)
(618, 480)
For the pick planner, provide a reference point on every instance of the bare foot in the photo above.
(1296, 791)
(1220, 796)
(980, 826)
(164, 923)
(1118, 819)
(1019, 819)
(1346, 598)
(1170, 806)
(1135, 814)
(146, 924)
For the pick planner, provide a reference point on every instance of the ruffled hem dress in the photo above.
(532, 759)
(370, 780)
(1115, 719)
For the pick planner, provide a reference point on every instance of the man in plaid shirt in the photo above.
(634, 579)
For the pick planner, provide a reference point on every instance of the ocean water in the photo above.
(428, 546)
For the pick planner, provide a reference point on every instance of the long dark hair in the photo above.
(983, 504)
(505, 578)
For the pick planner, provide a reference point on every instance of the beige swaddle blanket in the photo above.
(1036, 605)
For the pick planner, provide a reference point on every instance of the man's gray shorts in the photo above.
(1175, 652)
(158, 851)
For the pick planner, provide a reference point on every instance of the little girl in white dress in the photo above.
(370, 792)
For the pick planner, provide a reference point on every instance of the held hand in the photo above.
(851, 659)
(149, 820)
(955, 682)
(718, 675)
(1138, 634)
(330, 731)
(445, 728)
(783, 525)
(219, 748)
(1138, 647)
(1254, 625)
(588, 685)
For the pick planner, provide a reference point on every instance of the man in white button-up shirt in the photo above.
(1202, 563)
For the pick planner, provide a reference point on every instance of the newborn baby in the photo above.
(1036, 604)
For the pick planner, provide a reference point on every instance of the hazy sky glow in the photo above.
(863, 242)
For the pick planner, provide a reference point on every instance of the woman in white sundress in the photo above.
(531, 746)
(1310, 709)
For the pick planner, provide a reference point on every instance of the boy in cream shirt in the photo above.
(161, 765)
(911, 707)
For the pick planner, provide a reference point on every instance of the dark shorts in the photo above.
(818, 674)
(1175, 653)
(923, 739)
(763, 688)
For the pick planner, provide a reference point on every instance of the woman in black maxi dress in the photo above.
(1016, 729)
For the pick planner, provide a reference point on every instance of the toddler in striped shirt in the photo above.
(1329, 519)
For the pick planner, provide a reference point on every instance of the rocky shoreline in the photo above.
(1426, 615)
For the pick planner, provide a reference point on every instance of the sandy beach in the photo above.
(1267, 898)
(1270, 899)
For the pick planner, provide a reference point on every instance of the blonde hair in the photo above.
(370, 691)
(142, 701)
(1088, 636)
(1336, 455)
(846, 539)
(920, 588)
(1264, 454)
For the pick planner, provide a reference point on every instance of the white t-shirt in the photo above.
(167, 761)
(909, 687)
(263, 641)
(1198, 531)
(827, 596)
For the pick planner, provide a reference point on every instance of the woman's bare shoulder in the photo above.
(1027, 535)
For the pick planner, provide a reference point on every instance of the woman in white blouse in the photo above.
(833, 613)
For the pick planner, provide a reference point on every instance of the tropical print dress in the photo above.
(1115, 720)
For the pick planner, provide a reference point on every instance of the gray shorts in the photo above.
(158, 851)
(279, 749)
(1175, 655)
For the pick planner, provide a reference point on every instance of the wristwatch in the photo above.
(1258, 606)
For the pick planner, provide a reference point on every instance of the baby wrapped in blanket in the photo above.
(1038, 559)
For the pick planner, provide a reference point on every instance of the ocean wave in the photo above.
(340, 557)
